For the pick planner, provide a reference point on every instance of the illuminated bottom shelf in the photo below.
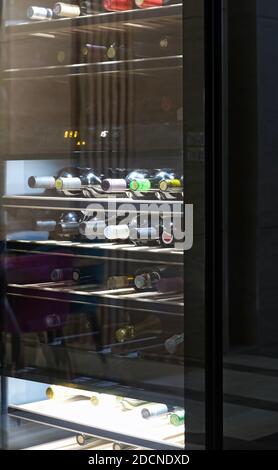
(71, 444)
(103, 422)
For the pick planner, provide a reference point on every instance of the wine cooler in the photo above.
(102, 143)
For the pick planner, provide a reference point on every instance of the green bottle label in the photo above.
(140, 185)
(177, 418)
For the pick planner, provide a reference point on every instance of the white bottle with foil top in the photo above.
(39, 13)
(66, 10)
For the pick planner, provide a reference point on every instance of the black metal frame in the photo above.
(214, 223)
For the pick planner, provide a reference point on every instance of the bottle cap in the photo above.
(114, 232)
(39, 13)
(121, 334)
(76, 274)
(111, 52)
(95, 400)
(42, 182)
(68, 183)
(153, 410)
(66, 10)
(140, 281)
(140, 184)
(111, 185)
(49, 392)
(177, 418)
(166, 184)
(80, 438)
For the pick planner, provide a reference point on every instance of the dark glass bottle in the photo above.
(68, 225)
(49, 182)
(39, 13)
(158, 278)
(153, 182)
(123, 183)
(86, 179)
(150, 326)
(79, 8)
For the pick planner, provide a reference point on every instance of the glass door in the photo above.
(102, 262)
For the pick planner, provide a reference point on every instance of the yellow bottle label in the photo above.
(167, 184)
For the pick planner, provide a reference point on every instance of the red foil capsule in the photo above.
(118, 5)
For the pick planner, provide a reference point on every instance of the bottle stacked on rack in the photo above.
(78, 8)
(72, 181)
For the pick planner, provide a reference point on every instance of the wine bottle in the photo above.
(149, 278)
(83, 439)
(177, 418)
(88, 7)
(118, 5)
(93, 52)
(69, 10)
(141, 233)
(87, 179)
(59, 392)
(153, 410)
(84, 274)
(39, 13)
(123, 184)
(62, 274)
(120, 446)
(120, 282)
(171, 185)
(173, 343)
(68, 225)
(48, 182)
(149, 326)
(128, 404)
(153, 182)
(103, 399)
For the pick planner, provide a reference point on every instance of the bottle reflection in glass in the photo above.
(151, 326)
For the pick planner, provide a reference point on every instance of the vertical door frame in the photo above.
(213, 37)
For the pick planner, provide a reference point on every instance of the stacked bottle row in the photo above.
(38, 269)
(175, 415)
(131, 183)
(89, 7)
(137, 230)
